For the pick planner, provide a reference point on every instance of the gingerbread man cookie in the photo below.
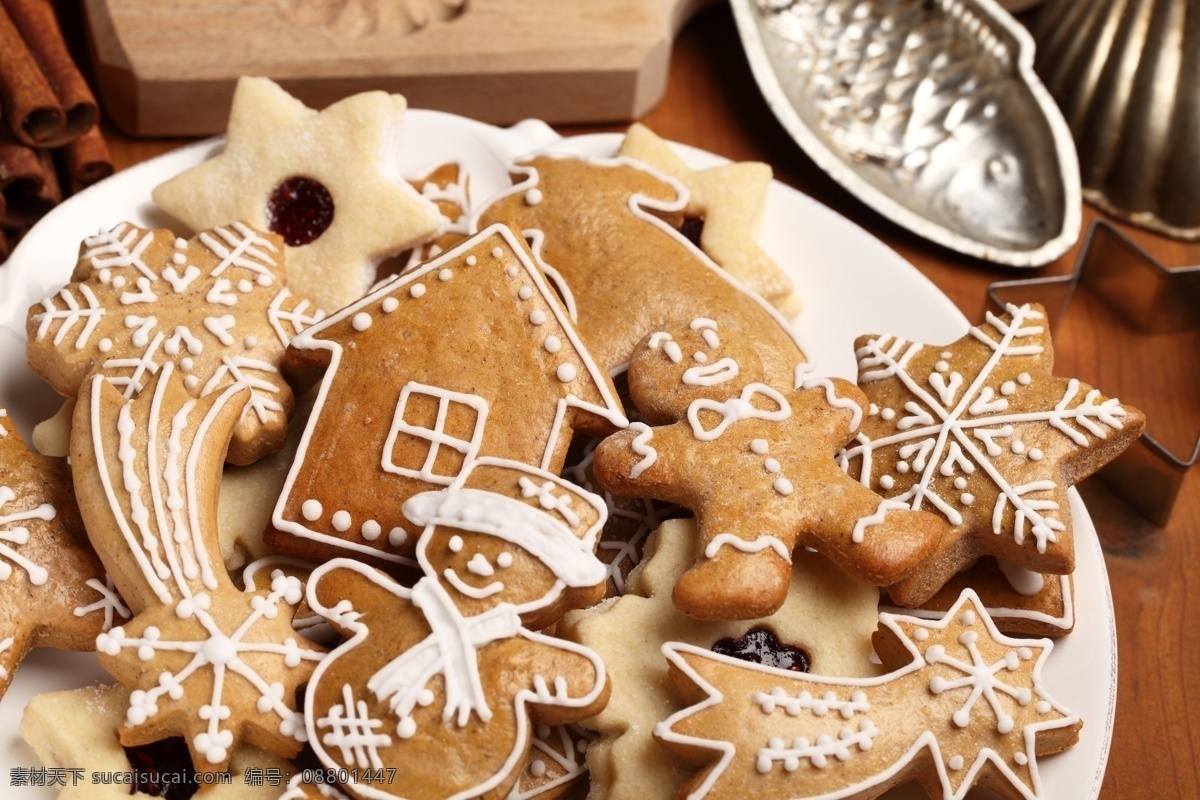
(327, 182)
(427, 389)
(963, 705)
(982, 433)
(829, 616)
(592, 222)
(450, 672)
(727, 202)
(204, 659)
(53, 590)
(758, 468)
(216, 306)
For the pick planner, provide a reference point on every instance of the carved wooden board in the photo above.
(168, 67)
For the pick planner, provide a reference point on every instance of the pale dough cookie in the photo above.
(52, 436)
(77, 728)
(828, 614)
(729, 202)
(328, 182)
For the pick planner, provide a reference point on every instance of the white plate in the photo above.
(851, 284)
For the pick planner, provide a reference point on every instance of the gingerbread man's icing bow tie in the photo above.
(757, 401)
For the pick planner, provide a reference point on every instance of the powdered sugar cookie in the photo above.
(982, 433)
(327, 182)
(727, 202)
(962, 706)
(827, 615)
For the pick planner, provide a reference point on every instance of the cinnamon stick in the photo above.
(86, 160)
(28, 182)
(34, 113)
(38, 26)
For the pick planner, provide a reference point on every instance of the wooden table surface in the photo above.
(713, 103)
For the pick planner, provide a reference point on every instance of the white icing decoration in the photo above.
(699, 357)
(1023, 581)
(640, 445)
(550, 541)
(390, 304)
(437, 437)
(736, 410)
(794, 706)
(109, 603)
(445, 275)
(218, 327)
(763, 542)
(13, 534)
(533, 197)
(524, 293)
(565, 372)
(885, 505)
(834, 400)
(514, 251)
(312, 510)
(537, 316)
(981, 677)
(371, 530)
(721, 371)
(759, 446)
(341, 520)
(552, 344)
(361, 321)
(417, 290)
(354, 733)
(978, 416)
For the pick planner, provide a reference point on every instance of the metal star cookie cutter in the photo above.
(1152, 299)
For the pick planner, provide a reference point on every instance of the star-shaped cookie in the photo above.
(981, 432)
(76, 729)
(48, 570)
(216, 306)
(829, 615)
(729, 201)
(963, 705)
(327, 181)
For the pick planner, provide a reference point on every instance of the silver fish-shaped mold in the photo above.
(928, 111)
(1127, 77)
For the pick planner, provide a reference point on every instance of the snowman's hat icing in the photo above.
(526, 506)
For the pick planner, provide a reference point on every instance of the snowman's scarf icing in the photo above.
(450, 650)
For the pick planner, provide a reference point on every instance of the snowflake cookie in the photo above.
(452, 670)
(216, 306)
(77, 729)
(758, 467)
(327, 182)
(53, 590)
(829, 615)
(982, 433)
(963, 705)
(205, 660)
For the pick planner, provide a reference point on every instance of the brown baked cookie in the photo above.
(982, 433)
(758, 468)
(446, 682)
(216, 306)
(1018, 601)
(963, 706)
(469, 355)
(726, 202)
(628, 272)
(49, 575)
(204, 659)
